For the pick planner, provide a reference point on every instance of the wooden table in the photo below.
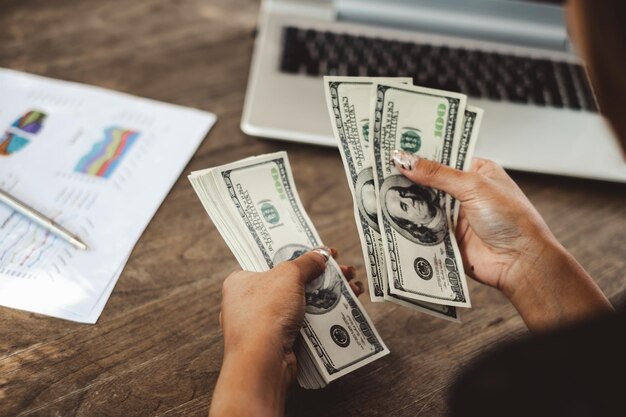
(157, 347)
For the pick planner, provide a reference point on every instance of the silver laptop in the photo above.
(511, 57)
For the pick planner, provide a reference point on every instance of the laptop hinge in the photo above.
(510, 22)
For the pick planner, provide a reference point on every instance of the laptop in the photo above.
(513, 58)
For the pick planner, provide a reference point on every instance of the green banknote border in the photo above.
(450, 130)
(468, 127)
(364, 325)
(334, 94)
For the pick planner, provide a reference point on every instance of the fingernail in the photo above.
(348, 272)
(359, 284)
(403, 159)
(351, 271)
(334, 252)
(324, 251)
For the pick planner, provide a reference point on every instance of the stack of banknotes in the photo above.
(407, 231)
(255, 206)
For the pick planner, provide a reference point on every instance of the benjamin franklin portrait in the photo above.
(321, 294)
(415, 212)
(366, 197)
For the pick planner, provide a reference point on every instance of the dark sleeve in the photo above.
(578, 371)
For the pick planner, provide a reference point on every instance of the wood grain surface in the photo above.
(157, 348)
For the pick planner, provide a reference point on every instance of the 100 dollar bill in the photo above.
(347, 99)
(422, 257)
(348, 102)
(264, 204)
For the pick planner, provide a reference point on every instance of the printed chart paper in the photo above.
(99, 163)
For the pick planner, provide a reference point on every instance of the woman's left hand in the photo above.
(262, 313)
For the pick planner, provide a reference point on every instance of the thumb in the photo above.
(312, 264)
(432, 174)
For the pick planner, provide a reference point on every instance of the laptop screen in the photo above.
(538, 23)
(545, 1)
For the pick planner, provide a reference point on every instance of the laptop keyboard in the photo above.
(477, 73)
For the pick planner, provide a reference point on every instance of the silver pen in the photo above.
(41, 220)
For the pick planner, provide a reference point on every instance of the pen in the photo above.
(41, 220)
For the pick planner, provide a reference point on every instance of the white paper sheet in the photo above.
(96, 161)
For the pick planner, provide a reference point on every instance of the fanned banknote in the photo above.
(421, 252)
(347, 99)
(255, 207)
(348, 102)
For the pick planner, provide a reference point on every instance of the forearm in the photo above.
(250, 384)
(556, 290)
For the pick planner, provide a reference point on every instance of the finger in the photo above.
(462, 226)
(312, 264)
(433, 174)
(357, 287)
(480, 164)
(348, 271)
(334, 253)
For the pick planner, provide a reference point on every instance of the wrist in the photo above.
(253, 381)
(554, 289)
(263, 347)
(260, 358)
(539, 254)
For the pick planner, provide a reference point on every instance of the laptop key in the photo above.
(290, 66)
(332, 67)
(537, 97)
(554, 95)
(353, 69)
(473, 90)
(590, 99)
(312, 66)
(568, 87)
(493, 92)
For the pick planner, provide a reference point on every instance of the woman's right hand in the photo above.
(499, 231)
(506, 244)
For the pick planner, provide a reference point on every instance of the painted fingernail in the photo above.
(403, 159)
(351, 272)
(324, 251)
(357, 287)
(348, 272)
